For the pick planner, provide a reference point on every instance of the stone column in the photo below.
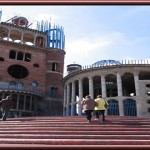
(119, 84)
(80, 96)
(17, 105)
(68, 98)
(136, 80)
(24, 97)
(103, 83)
(91, 87)
(34, 42)
(73, 98)
(22, 35)
(30, 103)
(139, 108)
(65, 100)
(121, 108)
(8, 35)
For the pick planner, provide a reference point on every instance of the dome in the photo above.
(21, 21)
(106, 62)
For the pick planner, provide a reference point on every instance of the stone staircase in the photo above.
(75, 132)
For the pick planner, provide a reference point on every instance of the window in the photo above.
(1, 59)
(12, 85)
(27, 57)
(52, 91)
(18, 71)
(34, 83)
(12, 54)
(148, 85)
(20, 56)
(20, 86)
(53, 66)
(36, 65)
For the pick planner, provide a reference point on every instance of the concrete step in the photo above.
(73, 136)
(75, 141)
(68, 131)
(51, 132)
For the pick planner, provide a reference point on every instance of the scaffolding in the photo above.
(55, 34)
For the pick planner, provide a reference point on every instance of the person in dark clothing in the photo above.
(5, 105)
(88, 106)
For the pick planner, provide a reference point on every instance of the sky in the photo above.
(94, 32)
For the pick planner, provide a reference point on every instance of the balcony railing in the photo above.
(5, 86)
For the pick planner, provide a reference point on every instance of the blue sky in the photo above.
(94, 32)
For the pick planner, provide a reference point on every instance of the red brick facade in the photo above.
(44, 68)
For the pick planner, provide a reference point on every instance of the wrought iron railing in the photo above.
(5, 86)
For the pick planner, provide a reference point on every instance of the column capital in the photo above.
(103, 75)
(90, 77)
(136, 73)
(120, 74)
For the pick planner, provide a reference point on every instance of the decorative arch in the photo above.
(128, 84)
(28, 37)
(97, 85)
(85, 86)
(111, 85)
(15, 35)
(3, 32)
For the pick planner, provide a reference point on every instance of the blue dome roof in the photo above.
(106, 62)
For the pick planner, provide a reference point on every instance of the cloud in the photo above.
(88, 50)
(85, 50)
(115, 45)
(47, 17)
(135, 10)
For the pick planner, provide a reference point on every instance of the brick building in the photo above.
(32, 62)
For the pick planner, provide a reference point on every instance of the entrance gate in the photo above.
(130, 107)
(113, 108)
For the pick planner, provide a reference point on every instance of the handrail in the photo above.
(25, 89)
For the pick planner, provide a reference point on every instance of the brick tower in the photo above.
(32, 62)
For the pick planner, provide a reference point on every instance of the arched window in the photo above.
(20, 56)
(12, 85)
(27, 57)
(53, 66)
(34, 83)
(20, 86)
(12, 54)
(52, 91)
